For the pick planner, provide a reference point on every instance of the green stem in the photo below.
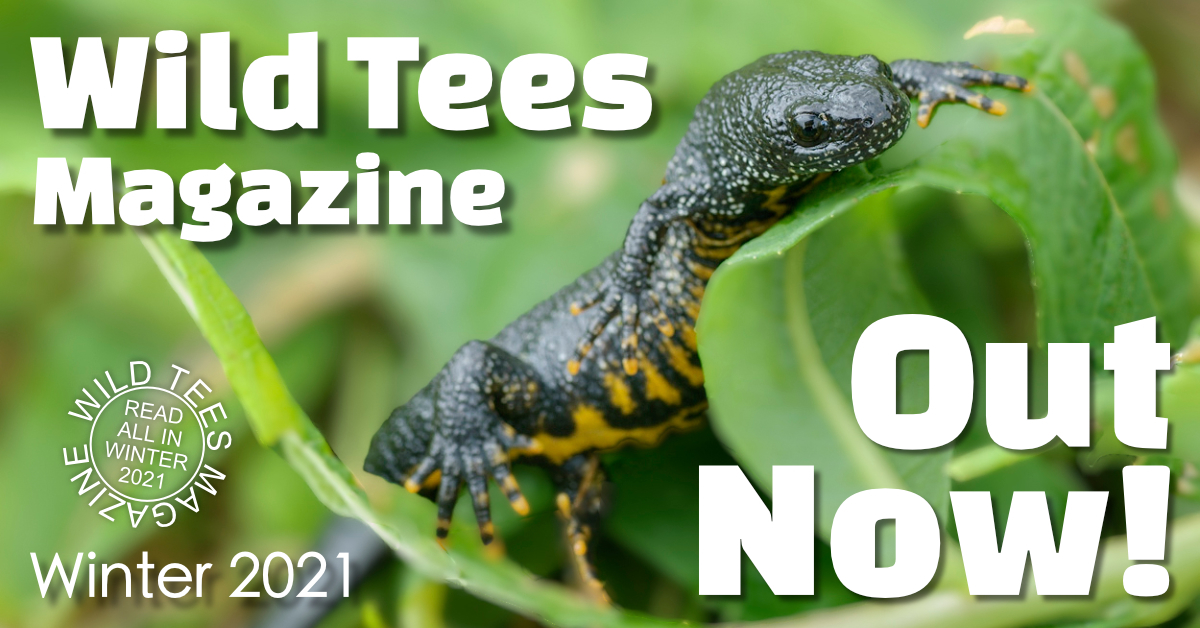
(422, 601)
(982, 461)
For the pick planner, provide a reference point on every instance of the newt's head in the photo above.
(789, 116)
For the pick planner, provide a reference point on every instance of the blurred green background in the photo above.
(359, 321)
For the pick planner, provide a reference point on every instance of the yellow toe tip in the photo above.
(573, 367)
(520, 506)
(630, 365)
(998, 109)
(412, 486)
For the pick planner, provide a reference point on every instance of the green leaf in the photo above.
(1099, 77)
(806, 418)
(1179, 402)
(781, 318)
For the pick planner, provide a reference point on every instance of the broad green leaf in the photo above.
(1100, 78)
(785, 303)
(782, 317)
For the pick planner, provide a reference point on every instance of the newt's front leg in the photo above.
(626, 292)
(454, 432)
(932, 83)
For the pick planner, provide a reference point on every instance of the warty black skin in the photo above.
(611, 359)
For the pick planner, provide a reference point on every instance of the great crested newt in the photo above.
(611, 359)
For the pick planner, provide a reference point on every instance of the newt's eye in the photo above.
(809, 129)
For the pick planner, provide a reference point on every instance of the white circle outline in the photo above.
(92, 451)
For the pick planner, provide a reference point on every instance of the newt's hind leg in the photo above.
(580, 503)
(459, 430)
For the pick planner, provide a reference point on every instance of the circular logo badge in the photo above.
(148, 444)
